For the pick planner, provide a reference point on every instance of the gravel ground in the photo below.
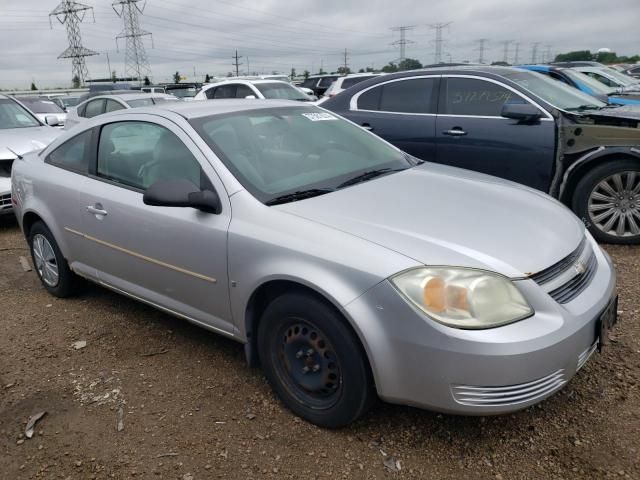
(151, 396)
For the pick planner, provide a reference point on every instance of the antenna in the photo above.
(71, 14)
(136, 63)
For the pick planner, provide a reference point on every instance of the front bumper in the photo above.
(419, 362)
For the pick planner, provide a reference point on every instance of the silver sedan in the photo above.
(347, 268)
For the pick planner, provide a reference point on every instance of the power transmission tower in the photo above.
(237, 63)
(505, 45)
(136, 63)
(516, 55)
(438, 27)
(71, 14)
(534, 52)
(548, 55)
(403, 42)
(346, 63)
(481, 49)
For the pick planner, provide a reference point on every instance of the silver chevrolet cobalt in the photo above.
(347, 268)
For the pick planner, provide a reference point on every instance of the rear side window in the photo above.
(93, 108)
(416, 95)
(326, 81)
(225, 91)
(469, 96)
(138, 154)
(243, 91)
(73, 154)
(112, 106)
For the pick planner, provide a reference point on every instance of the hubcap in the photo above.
(614, 204)
(309, 365)
(45, 260)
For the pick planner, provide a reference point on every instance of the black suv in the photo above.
(515, 124)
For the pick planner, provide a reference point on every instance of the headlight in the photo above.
(463, 298)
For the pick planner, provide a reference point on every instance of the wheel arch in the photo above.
(583, 165)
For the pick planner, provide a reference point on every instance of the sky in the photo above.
(196, 37)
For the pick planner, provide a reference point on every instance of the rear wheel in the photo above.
(51, 266)
(608, 200)
(313, 360)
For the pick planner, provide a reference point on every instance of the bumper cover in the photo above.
(419, 362)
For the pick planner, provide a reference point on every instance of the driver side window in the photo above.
(138, 154)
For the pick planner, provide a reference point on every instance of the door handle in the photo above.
(96, 210)
(366, 126)
(454, 132)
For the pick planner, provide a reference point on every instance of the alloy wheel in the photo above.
(614, 204)
(45, 260)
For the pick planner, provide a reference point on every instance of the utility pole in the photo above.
(136, 63)
(71, 14)
(108, 65)
(345, 64)
(438, 27)
(505, 45)
(516, 55)
(248, 68)
(534, 52)
(403, 42)
(481, 49)
(237, 63)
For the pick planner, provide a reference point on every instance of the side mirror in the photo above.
(51, 120)
(524, 112)
(251, 97)
(182, 193)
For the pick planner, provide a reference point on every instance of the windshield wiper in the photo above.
(368, 175)
(584, 107)
(299, 195)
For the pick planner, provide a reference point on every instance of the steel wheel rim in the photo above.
(45, 259)
(306, 362)
(614, 204)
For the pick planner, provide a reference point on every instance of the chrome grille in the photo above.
(565, 280)
(577, 284)
(510, 394)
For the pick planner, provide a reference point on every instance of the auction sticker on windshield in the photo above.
(319, 116)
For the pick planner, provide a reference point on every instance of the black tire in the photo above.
(630, 201)
(337, 393)
(67, 281)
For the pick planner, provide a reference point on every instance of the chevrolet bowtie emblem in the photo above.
(579, 268)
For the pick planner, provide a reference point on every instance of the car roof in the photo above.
(132, 96)
(197, 109)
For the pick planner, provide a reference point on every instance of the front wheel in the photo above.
(608, 200)
(313, 360)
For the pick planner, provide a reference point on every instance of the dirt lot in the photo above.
(189, 408)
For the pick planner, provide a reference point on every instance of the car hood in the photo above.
(24, 140)
(440, 215)
(623, 112)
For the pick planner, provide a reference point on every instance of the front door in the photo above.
(175, 258)
(472, 134)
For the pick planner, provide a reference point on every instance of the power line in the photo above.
(403, 42)
(438, 27)
(481, 49)
(71, 14)
(136, 63)
(237, 63)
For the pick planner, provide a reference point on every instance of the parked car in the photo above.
(319, 83)
(282, 78)
(184, 91)
(153, 89)
(633, 71)
(261, 89)
(20, 132)
(98, 105)
(340, 84)
(586, 84)
(344, 265)
(612, 78)
(514, 124)
(43, 108)
(66, 101)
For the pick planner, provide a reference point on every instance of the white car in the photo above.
(260, 89)
(43, 107)
(342, 83)
(20, 132)
(98, 105)
(611, 78)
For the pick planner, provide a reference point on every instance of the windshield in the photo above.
(13, 115)
(37, 105)
(182, 92)
(278, 151)
(555, 93)
(623, 78)
(592, 84)
(282, 91)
